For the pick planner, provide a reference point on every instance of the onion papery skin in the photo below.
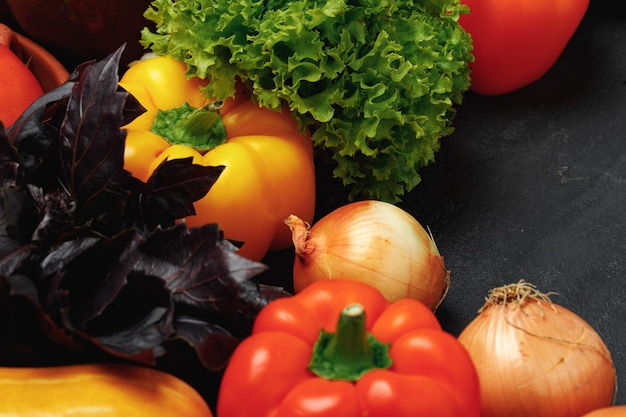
(538, 359)
(373, 242)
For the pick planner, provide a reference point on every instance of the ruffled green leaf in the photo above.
(377, 82)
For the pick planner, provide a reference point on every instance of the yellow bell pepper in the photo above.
(269, 171)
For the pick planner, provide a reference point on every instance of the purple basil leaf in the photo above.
(147, 334)
(28, 336)
(272, 292)
(172, 189)
(91, 141)
(132, 108)
(95, 277)
(34, 133)
(56, 215)
(9, 161)
(138, 319)
(18, 218)
(55, 264)
(109, 304)
(212, 270)
(23, 285)
(10, 262)
(213, 343)
(58, 258)
(141, 341)
(9, 173)
(29, 124)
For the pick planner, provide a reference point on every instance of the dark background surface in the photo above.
(532, 185)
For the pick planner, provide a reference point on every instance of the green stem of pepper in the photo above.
(201, 128)
(350, 351)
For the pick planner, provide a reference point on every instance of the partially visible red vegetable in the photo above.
(374, 242)
(516, 43)
(536, 358)
(18, 86)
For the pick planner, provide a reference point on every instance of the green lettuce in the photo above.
(375, 81)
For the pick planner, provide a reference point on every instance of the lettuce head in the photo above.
(376, 82)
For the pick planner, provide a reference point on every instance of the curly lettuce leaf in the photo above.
(376, 82)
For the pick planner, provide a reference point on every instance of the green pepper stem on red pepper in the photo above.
(430, 374)
(350, 351)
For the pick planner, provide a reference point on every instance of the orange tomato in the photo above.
(18, 86)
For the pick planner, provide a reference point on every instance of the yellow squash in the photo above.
(103, 390)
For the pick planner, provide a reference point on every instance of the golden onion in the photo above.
(373, 242)
(535, 358)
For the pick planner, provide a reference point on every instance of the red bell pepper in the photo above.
(339, 348)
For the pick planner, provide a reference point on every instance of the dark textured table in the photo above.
(532, 185)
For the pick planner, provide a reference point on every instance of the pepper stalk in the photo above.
(350, 351)
(201, 128)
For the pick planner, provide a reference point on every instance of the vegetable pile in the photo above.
(121, 233)
(377, 82)
(93, 259)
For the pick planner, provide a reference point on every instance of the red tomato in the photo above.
(517, 42)
(18, 86)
